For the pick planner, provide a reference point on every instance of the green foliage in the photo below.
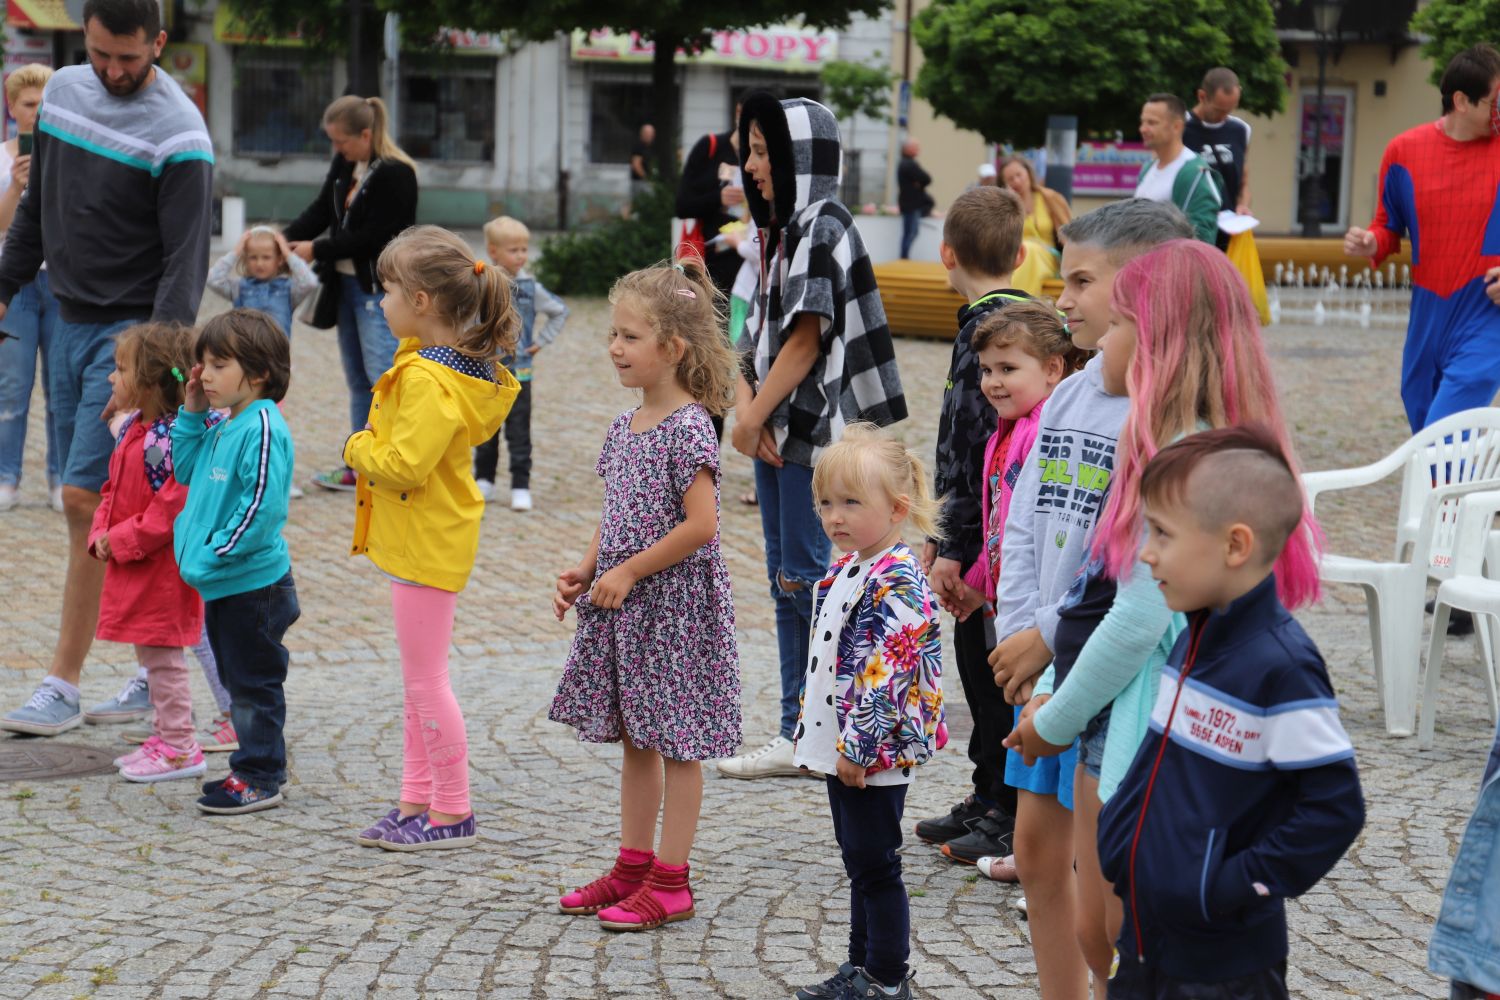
(1451, 26)
(588, 262)
(1000, 67)
(851, 88)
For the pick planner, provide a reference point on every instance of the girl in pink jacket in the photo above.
(145, 602)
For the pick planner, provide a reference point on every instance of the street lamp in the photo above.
(1326, 15)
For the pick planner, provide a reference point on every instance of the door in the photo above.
(1334, 159)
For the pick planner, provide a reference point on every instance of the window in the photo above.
(447, 108)
(279, 97)
(617, 110)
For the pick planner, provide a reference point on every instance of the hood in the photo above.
(482, 405)
(802, 138)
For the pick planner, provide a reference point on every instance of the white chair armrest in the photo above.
(1331, 480)
(1433, 503)
(1476, 518)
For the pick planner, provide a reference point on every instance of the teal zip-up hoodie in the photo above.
(238, 472)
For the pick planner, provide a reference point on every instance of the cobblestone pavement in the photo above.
(116, 890)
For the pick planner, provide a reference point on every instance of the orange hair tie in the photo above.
(479, 267)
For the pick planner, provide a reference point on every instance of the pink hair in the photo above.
(1199, 360)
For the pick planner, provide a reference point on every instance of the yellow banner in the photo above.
(785, 48)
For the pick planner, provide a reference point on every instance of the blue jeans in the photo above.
(867, 826)
(32, 321)
(796, 559)
(245, 631)
(366, 345)
(911, 222)
(83, 355)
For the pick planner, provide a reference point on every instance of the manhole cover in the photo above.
(25, 760)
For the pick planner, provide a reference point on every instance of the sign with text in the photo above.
(1109, 169)
(783, 47)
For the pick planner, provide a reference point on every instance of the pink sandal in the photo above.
(643, 910)
(623, 880)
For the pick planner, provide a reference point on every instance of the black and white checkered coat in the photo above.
(819, 266)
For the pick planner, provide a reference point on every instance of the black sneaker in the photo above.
(941, 829)
(988, 837)
(1460, 622)
(234, 797)
(862, 987)
(831, 987)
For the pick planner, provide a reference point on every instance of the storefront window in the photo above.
(279, 97)
(447, 109)
(618, 107)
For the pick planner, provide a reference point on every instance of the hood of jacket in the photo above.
(807, 158)
(482, 405)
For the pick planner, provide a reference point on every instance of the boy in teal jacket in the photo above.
(228, 539)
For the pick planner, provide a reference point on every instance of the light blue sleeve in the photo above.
(1113, 655)
(555, 310)
(221, 277)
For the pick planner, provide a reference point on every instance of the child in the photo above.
(1048, 529)
(1463, 940)
(1254, 796)
(145, 601)
(228, 539)
(417, 510)
(876, 712)
(1185, 343)
(981, 247)
(654, 663)
(275, 280)
(820, 355)
(508, 242)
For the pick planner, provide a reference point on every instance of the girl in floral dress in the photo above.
(654, 663)
(872, 704)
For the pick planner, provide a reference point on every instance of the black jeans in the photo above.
(993, 716)
(1137, 981)
(245, 631)
(517, 431)
(867, 826)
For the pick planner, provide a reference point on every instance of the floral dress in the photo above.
(666, 662)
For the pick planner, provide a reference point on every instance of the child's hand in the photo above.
(929, 554)
(195, 399)
(963, 601)
(1024, 738)
(945, 577)
(239, 248)
(101, 549)
(611, 589)
(282, 244)
(1018, 659)
(850, 773)
(570, 584)
(533, 349)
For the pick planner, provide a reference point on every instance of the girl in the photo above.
(1184, 344)
(145, 601)
(417, 509)
(876, 712)
(654, 663)
(275, 280)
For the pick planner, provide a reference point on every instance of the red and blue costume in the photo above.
(1444, 195)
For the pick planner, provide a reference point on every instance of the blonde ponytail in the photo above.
(355, 114)
(469, 295)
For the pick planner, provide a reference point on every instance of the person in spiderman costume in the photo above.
(1440, 186)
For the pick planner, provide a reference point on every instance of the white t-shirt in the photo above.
(1157, 183)
(6, 162)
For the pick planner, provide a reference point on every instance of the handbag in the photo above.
(322, 310)
(1246, 259)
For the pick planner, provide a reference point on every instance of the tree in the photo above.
(851, 89)
(1000, 67)
(670, 25)
(1450, 26)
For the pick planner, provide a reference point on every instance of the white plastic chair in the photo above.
(1450, 459)
(1466, 589)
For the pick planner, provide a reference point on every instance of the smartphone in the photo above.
(23, 143)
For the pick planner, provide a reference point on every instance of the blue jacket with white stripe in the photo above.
(1252, 798)
(239, 473)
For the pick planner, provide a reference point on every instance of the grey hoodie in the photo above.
(1057, 502)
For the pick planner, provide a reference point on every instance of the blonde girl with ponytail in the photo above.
(417, 510)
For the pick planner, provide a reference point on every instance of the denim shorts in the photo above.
(83, 356)
(1091, 744)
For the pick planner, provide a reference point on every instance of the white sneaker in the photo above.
(774, 760)
(295, 493)
(520, 499)
(54, 498)
(486, 488)
(8, 497)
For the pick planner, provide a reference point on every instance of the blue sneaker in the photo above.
(48, 713)
(234, 796)
(132, 703)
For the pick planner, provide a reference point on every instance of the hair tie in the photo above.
(177, 374)
(679, 268)
(686, 293)
(479, 267)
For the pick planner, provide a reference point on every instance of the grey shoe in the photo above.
(132, 703)
(829, 988)
(48, 713)
(861, 987)
(139, 733)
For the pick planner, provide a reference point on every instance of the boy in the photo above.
(228, 539)
(508, 242)
(981, 248)
(821, 356)
(1254, 796)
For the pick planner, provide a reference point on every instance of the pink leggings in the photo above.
(436, 746)
(171, 693)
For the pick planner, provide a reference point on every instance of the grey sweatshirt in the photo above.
(1057, 502)
(118, 203)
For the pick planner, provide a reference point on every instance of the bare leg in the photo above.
(81, 588)
(684, 801)
(1044, 860)
(640, 795)
(1093, 890)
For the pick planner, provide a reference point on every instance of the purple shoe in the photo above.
(420, 834)
(372, 835)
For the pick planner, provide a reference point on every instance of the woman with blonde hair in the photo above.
(369, 196)
(1046, 212)
(28, 325)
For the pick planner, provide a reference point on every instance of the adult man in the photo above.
(118, 203)
(911, 194)
(1438, 184)
(1177, 175)
(1221, 139)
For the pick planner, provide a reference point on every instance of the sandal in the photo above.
(605, 891)
(645, 905)
(749, 499)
